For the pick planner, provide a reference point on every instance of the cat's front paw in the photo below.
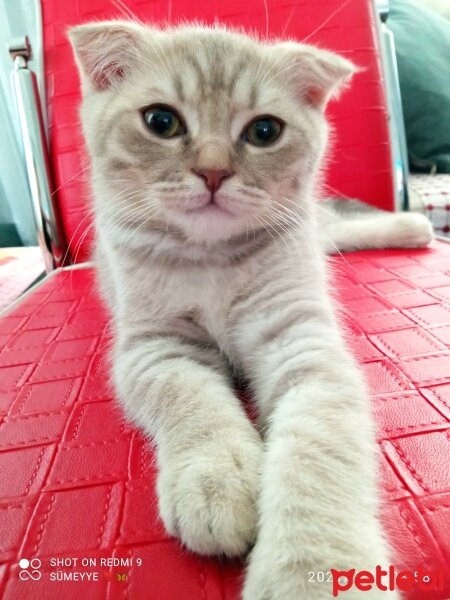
(269, 578)
(413, 230)
(207, 495)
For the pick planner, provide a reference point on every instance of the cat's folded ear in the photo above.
(105, 52)
(317, 74)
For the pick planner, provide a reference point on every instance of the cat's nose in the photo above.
(213, 177)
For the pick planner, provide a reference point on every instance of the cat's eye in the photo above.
(163, 121)
(263, 131)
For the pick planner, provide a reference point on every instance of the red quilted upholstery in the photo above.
(77, 481)
(361, 138)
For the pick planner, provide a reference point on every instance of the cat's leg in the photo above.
(208, 452)
(359, 227)
(318, 502)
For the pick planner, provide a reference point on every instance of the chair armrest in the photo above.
(394, 102)
(26, 96)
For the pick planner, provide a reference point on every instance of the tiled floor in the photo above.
(19, 267)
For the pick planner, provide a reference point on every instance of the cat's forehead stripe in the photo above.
(206, 70)
(178, 85)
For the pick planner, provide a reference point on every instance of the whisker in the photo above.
(317, 29)
(285, 226)
(66, 254)
(266, 9)
(81, 240)
(126, 10)
(136, 216)
(134, 232)
(69, 180)
(121, 195)
(289, 19)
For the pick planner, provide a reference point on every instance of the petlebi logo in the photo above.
(422, 579)
(30, 569)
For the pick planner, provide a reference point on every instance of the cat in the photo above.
(205, 148)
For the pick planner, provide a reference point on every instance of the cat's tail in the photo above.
(353, 225)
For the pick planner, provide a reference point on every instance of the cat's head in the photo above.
(201, 131)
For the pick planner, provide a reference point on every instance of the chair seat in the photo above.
(77, 480)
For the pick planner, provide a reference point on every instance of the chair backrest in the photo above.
(359, 163)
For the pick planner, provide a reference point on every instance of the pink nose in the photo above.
(213, 177)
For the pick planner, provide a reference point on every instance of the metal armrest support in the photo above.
(37, 161)
(394, 101)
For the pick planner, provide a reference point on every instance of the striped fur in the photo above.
(198, 297)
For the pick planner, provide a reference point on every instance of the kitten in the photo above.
(205, 147)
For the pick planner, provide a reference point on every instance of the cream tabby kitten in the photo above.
(205, 147)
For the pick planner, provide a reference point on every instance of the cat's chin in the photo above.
(210, 210)
(208, 223)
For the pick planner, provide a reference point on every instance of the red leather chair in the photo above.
(77, 480)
